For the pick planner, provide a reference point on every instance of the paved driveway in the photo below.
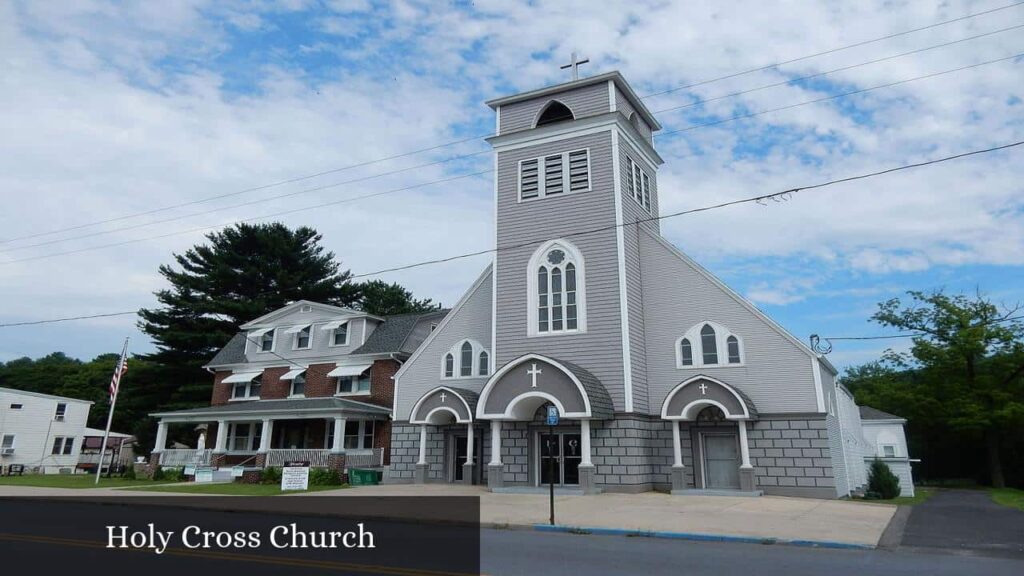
(967, 521)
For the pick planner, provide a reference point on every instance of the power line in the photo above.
(480, 136)
(273, 215)
(371, 195)
(777, 196)
(831, 51)
(782, 195)
(834, 96)
(834, 70)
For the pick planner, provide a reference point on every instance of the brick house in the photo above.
(309, 382)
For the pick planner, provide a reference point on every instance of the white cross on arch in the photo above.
(533, 372)
(703, 388)
(443, 396)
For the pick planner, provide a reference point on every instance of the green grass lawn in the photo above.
(83, 481)
(1008, 497)
(230, 489)
(920, 495)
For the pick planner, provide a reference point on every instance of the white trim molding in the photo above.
(702, 401)
(722, 335)
(508, 413)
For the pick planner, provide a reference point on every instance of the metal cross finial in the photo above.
(575, 65)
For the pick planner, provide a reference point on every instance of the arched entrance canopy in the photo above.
(443, 403)
(687, 399)
(519, 388)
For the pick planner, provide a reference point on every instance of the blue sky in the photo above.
(112, 108)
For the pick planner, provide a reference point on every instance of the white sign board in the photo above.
(295, 476)
(237, 471)
(189, 471)
(204, 475)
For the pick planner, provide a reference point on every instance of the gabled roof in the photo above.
(232, 353)
(615, 76)
(392, 334)
(41, 395)
(271, 316)
(869, 413)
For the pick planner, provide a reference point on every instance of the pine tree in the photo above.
(380, 298)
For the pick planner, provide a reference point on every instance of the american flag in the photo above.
(115, 381)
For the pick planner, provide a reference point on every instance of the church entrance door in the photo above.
(721, 461)
(565, 449)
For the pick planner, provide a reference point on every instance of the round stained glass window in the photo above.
(556, 257)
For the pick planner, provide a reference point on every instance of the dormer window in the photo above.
(267, 341)
(467, 359)
(338, 330)
(553, 113)
(554, 174)
(709, 344)
(556, 290)
(302, 338)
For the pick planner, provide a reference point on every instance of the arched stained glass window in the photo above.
(709, 344)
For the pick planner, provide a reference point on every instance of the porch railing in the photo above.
(368, 458)
(316, 458)
(186, 457)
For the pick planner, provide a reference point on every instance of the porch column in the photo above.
(468, 467)
(338, 445)
(265, 433)
(746, 470)
(161, 437)
(421, 464)
(222, 437)
(586, 468)
(495, 469)
(678, 470)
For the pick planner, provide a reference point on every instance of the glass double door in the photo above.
(460, 456)
(560, 454)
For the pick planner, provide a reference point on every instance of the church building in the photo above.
(662, 376)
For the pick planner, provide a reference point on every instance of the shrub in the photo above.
(129, 472)
(158, 474)
(271, 475)
(168, 474)
(882, 483)
(324, 477)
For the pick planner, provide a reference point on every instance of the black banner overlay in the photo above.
(151, 536)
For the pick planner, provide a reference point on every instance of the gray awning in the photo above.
(354, 370)
(291, 374)
(241, 377)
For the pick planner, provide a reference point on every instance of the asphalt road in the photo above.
(966, 521)
(513, 552)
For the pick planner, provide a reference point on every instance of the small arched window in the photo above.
(267, 341)
(709, 344)
(449, 365)
(299, 385)
(554, 112)
(733, 347)
(254, 386)
(484, 366)
(685, 352)
(466, 360)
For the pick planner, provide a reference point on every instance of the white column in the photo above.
(495, 443)
(585, 438)
(744, 450)
(265, 432)
(423, 444)
(222, 437)
(161, 437)
(338, 445)
(469, 443)
(677, 445)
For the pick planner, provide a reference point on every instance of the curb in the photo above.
(696, 536)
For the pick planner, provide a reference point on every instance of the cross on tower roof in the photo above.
(575, 65)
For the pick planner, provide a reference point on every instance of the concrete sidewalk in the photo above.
(782, 518)
(765, 517)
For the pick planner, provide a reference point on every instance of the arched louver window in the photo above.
(555, 112)
(466, 359)
(449, 365)
(485, 366)
(709, 344)
(733, 346)
(685, 352)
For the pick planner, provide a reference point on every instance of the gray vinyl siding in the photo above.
(585, 101)
(631, 210)
(470, 319)
(623, 105)
(599, 349)
(776, 373)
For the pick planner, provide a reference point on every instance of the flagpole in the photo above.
(113, 402)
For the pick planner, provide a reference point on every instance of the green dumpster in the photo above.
(362, 477)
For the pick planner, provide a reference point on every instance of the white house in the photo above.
(41, 432)
(886, 440)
